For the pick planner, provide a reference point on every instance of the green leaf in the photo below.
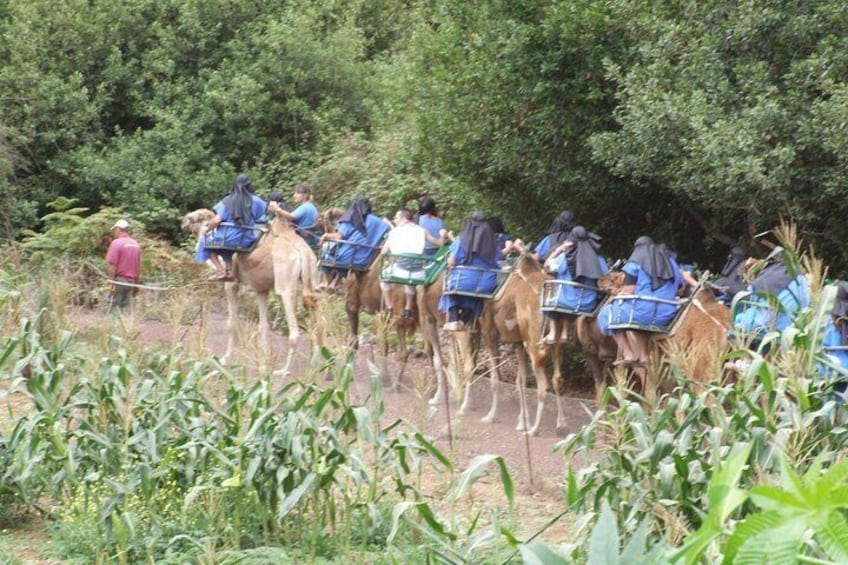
(536, 553)
(833, 536)
(475, 471)
(774, 546)
(603, 543)
(634, 551)
(748, 528)
(295, 495)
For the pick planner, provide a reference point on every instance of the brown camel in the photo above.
(362, 294)
(513, 316)
(695, 342)
(582, 331)
(279, 261)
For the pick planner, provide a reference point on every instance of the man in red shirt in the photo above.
(124, 259)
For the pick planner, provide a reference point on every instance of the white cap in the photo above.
(121, 225)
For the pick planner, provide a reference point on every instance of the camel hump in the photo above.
(528, 264)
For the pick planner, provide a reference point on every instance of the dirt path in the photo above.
(471, 437)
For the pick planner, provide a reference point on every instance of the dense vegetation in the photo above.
(698, 123)
(140, 454)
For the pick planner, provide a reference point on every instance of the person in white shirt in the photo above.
(407, 237)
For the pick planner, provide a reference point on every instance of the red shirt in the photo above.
(125, 254)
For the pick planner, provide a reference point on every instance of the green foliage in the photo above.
(731, 109)
(147, 463)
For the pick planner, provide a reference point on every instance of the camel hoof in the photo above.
(533, 433)
(436, 400)
(488, 419)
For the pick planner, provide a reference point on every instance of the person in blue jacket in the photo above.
(234, 226)
(304, 216)
(557, 234)
(648, 273)
(430, 220)
(577, 260)
(777, 296)
(835, 342)
(360, 235)
(473, 268)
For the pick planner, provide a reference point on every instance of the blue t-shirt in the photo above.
(471, 279)
(359, 249)
(543, 248)
(433, 225)
(305, 216)
(229, 234)
(832, 339)
(577, 298)
(759, 317)
(638, 311)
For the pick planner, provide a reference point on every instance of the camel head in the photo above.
(612, 281)
(194, 221)
(327, 219)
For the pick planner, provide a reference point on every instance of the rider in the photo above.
(557, 233)
(649, 273)
(777, 295)
(360, 233)
(507, 244)
(835, 340)
(475, 247)
(304, 217)
(575, 260)
(407, 237)
(430, 220)
(233, 226)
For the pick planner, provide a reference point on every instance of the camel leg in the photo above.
(537, 359)
(288, 296)
(494, 358)
(231, 290)
(521, 388)
(556, 360)
(468, 360)
(264, 326)
(640, 344)
(434, 352)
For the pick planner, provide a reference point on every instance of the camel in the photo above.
(280, 260)
(513, 316)
(695, 341)
(581, 330)
(362, 294)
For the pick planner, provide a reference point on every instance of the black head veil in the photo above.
(652, 260)
(840, 310)
(356, 213)
(582, 257)
(735, 259)
(238, 202)
(773, 277)
(477, 236)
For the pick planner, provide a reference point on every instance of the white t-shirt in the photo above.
(407, 238)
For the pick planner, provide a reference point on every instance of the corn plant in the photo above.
(154, 455)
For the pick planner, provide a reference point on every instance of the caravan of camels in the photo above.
(481, 290)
